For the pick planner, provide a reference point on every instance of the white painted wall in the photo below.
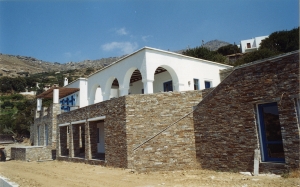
(82, 97)
(254, 42)
(180, 69)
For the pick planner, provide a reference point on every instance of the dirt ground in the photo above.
(58, 173)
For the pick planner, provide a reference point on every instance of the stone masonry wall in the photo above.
(225, 121)
(31, 153)
(46, 117)
(147, 115)
(114, 128)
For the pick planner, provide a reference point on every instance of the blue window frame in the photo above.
(196, 84)
(168, 86)
(270, 133)
(207, 84)
(68, 102)
(61, 104)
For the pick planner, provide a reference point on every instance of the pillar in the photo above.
(106, 95)
(39, 104)
(56, 96)
(124, 91)
(87, 150)
(71, 141)
(148, 86)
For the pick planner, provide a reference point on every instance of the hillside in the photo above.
(215, 44)
(14, 66)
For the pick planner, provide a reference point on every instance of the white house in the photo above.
(251, 44)
(145, 71)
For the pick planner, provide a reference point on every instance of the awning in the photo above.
(63, 92)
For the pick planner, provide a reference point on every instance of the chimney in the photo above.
(55, 95)
(66, 82)
(39, 104)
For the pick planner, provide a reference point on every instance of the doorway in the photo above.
(270, 133)
(168, 86)
(100, 138)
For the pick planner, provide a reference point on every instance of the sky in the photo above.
(65, 30)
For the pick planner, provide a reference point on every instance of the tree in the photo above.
(228, 49)
(7, 104)
(19, 84)
(17, 97)
(255, 55)
(204, 53)
(282, 41)
(6, 84)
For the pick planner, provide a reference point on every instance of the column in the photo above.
(148, 86)
(55, 95)
(87, 150)
(71, 141)
(105, 95)
(124, 91)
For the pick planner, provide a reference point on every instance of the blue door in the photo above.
(270, 133)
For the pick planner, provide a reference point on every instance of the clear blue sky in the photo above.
(65, 30)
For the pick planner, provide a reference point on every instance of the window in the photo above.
(168, 86)
(143, 91)
(196, 84)
(46, 134)
(270, 133)
(207, 84)
(98, 135)
(248, 45)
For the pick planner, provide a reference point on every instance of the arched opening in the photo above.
(165, 79)
(136, 84)
(114, 90)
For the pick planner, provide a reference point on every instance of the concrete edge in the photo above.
(4, 182)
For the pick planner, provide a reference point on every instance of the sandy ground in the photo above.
(58, 173)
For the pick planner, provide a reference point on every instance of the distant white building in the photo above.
(251, 44)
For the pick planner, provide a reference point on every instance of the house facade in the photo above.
(146, 71)
(250, 45)
(254, 109)
(156, 115)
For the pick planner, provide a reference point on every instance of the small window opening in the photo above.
(207, 84)
(248, 45)
(196, 84)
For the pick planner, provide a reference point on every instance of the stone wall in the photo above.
(224, 73)
(129, 121)
(45, 119)
(115, 130)
(226, 120)
(146, 116)
(31, 153)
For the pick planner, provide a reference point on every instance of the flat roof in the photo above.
(63, 92)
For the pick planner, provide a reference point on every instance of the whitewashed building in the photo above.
(145, 71)
(250, 45)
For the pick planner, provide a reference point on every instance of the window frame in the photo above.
(167, 82)
(248, 45)
(196, 85)
(262, 134)
(207, 81)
